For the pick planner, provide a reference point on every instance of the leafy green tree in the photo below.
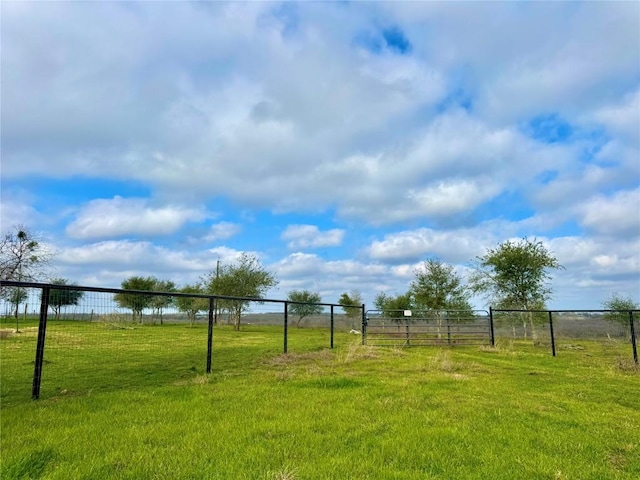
(59, 298)
(352, 305)
(515, 275)
(437, 287)
(246, 278)
(390, 307)
(621, 306)
(192, 305)
(305, 305)
(22, 256)
(136, 302)
(159, 302)
(15, 296)
(620, 303)
(393, 308)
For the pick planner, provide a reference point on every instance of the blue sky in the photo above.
(342, 143)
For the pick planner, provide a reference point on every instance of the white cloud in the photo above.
(310, 236)
(415, 245)
(617, 215)
(222, 231)
(190, 100)
(108, 263)
(621, 118)
(129, 216)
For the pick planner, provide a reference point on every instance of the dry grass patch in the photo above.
(357, 351)
(627, 365)
(286, 473)
(297, 358)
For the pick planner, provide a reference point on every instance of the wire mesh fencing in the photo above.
(97, 341)
(605, 332)
(69, 340)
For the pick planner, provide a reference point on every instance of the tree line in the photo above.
(513, 275)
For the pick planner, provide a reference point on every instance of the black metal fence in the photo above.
(569, 329)
(66, 338)
(69, 339)
(421, 328)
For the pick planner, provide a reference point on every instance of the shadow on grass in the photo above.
(29, 466)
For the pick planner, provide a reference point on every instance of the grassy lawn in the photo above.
(137, 404)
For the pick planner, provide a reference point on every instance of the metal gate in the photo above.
(419, 328)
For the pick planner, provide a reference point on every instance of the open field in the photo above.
(135, 403)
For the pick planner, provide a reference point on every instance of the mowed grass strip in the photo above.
(141, 406)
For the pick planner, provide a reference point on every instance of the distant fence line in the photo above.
(582, 324)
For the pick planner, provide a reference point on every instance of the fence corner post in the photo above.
(553, 339)
(633, 337)
(364, 325)
(42, 331)
(332, 326)
(212, 305)
(493, 336)
(286, 324)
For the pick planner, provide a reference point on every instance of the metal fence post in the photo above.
(42, 331)
(212, 307)
(448, 332)
(286, 321)
(364, 325)
(633, 337)
(553, 340)
(331, 326)
(493, 337)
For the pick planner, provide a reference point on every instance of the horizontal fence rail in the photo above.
(69, 339)
(426, 328)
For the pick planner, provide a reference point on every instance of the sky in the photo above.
(342, 143)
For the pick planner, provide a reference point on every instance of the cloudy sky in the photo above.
(344, 143)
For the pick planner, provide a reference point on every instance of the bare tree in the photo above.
(22, 256)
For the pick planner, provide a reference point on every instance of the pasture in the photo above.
(136, 403)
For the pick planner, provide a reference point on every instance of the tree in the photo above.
(246, 278)
(59, 298)
(351, 304)
(22, 256)
(305, 305)
(191, 305)
(515, 275)
(620, 305)
(393, 308)
(438, 288)
(15, 296)
(159, 302)
(390, 306)
(137, 302)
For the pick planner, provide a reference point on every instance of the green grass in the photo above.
(112, 407)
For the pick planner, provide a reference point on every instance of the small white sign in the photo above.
(407, 313)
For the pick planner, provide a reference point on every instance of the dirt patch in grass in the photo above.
(11, 332)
